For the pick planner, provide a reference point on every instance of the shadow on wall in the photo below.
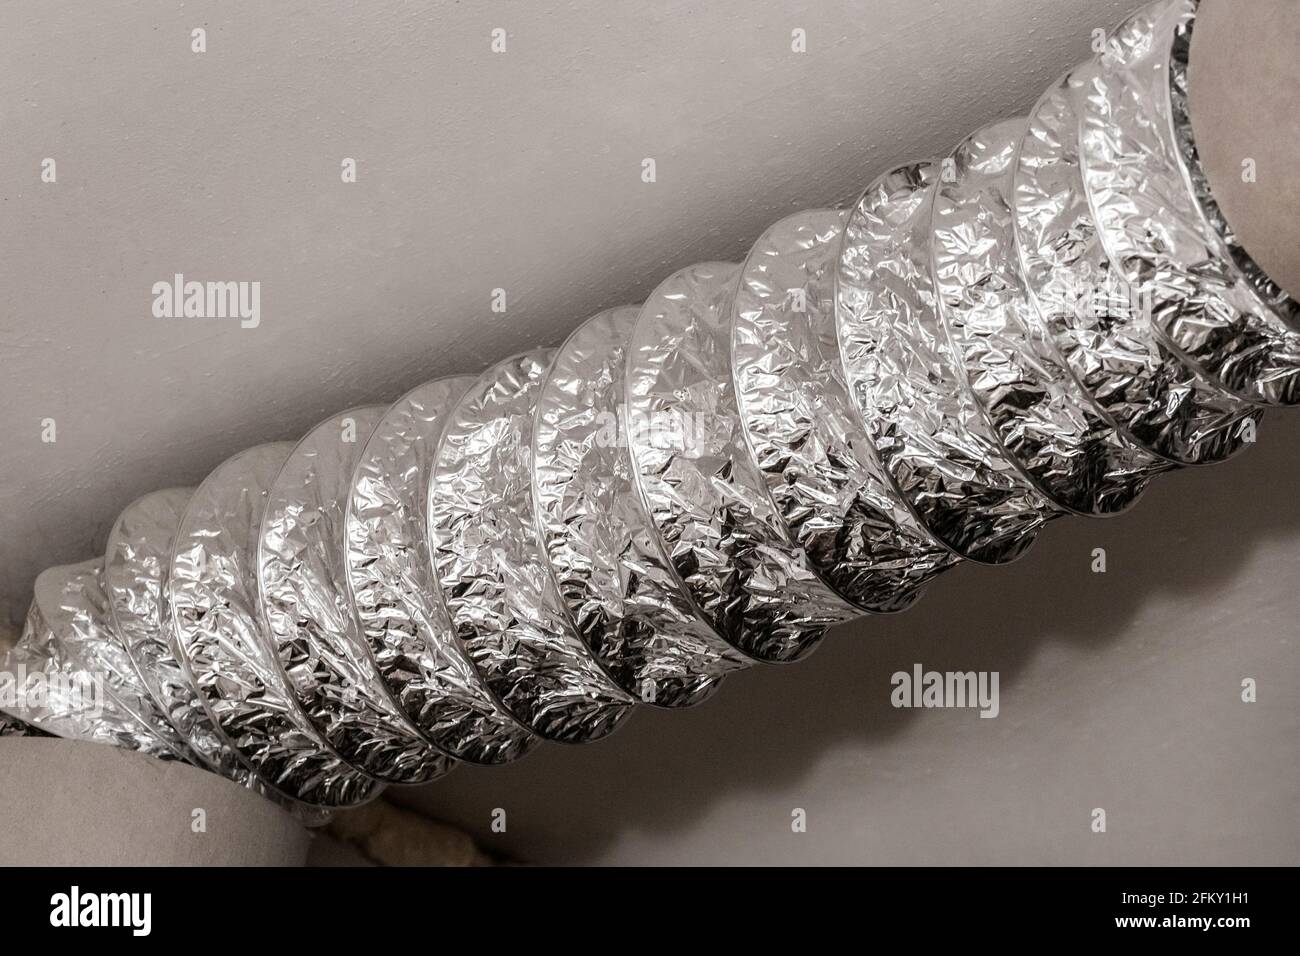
(768, 727)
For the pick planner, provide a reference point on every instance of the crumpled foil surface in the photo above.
(217, 627)
(136, 564)
(13, 727)
(1153, 226)
(1040, 417)
(942, 455)
(620, 592)
(1094, 317)
(489, 563)
(803, 430)
(302, 580)
(1037, 325)
(705, 496)
(92, 689)
(391, 586)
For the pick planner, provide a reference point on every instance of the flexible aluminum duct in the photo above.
(1037, 325)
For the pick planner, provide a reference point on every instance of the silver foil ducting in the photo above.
(620, 592)
(302, 580)
(490, 566)
(137, 562)
(1094, 317)
(699, 484)
(13, 727)
(1042, 420)
(71, 674)
(212, 592)
(1036, 326)
(391, 585)
(1149, 197)
(803, 431)
(943, 457)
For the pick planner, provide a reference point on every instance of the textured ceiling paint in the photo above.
(476, 171)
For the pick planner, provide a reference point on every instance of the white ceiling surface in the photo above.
(476, 171)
